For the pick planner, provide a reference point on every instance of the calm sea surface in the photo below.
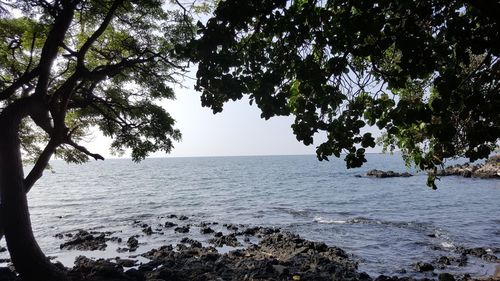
(385, 224)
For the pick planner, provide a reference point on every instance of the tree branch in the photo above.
(51, 46)
(86, 46)
(83, 149)
(41, 164)
(25, 78)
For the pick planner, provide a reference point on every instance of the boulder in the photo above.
(423, 267)
(206, 230)
(132, 243)
(386, 174)
(84, 241)
(182, 229)
(229, 240)
(169, 224)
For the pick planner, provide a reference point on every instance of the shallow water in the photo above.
(386, 224)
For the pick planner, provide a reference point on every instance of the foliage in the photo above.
(92, 64)
(424, 72)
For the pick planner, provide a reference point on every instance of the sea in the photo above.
(386, 225)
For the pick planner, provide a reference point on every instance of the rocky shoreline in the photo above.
(490, 169)
(256, 253)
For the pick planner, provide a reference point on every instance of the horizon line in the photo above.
(224, 156)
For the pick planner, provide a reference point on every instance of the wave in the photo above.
(442, 239)
(293, 212)
(448, 245)
(327, 221)
(363, 220)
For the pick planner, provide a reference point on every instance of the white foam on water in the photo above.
(329, 221)
(447, 245)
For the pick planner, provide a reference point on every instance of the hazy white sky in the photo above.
(238, 130)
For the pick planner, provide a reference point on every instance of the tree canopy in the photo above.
(426, 73)
(92, 63)
(69, 66)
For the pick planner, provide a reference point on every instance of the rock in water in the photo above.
(423, 267)
(446, 277)
(386, 174)
(84, 241)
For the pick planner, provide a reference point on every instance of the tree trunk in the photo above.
(25, 253)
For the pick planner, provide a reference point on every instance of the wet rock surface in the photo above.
(279, 256)
(386, 174)
(423, 267)
(489, 170)
(85, 241)
(182, 229)
(229, 240)
(482, 253)
(258, 253)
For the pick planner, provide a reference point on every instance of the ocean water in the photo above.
(387, 225)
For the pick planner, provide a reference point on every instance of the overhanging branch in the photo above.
(41, 164)
(28, 76)
(91, 40)
(78, 147)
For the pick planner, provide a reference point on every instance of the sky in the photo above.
(237, 131)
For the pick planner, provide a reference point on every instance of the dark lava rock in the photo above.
(489, 170)
(229, 240)
(258, 231)
(444, 260)
(169, 224)
(250, 231)
(446, 277)
(462, 260)
(171, 216)
(147, 230)
(122, 250)
(489, 257)
(116, 239)
(423, 267)
(386, 174)
(162, 253)
(206, 230)
(132, 243)
(183, 218)
(182, 229)
(85, 241)
(192, 242)
(232, 227)
(125, 262)
(479, 252)
(97, 270)
(218, 234)
(135, 274)
(277, 257)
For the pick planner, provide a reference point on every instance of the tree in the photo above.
(68, 66)
(425, 72)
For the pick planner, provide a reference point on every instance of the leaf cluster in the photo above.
(424, 72)
(86, 64)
